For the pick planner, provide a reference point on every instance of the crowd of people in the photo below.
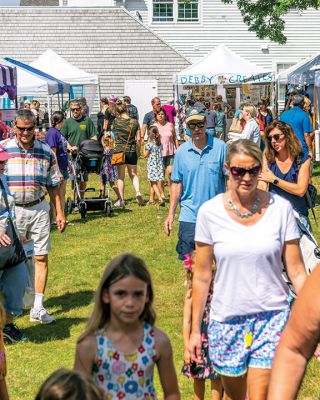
(238, 229)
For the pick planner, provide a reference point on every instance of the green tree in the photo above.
(265, 17)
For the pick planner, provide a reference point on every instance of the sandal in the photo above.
(162, 203)
(150, 203)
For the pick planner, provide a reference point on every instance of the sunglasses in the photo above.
(30, 129)
(75, 109)
(240, 172)
(276, 137)
(195, 125)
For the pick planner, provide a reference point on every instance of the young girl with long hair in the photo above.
(120, 345)
(152, 151)
(196, 371)
(108, 172)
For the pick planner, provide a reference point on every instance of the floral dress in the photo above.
(126, 376)
(155, 162)
(205, 370)
(109, 172)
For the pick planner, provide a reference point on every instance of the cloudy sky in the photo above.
(6, 3)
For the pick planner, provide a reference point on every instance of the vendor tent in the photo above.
(302, 73)
(8, 81)
(223, 67)
(55, 65)
(34, 82)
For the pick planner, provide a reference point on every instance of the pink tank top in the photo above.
(166, 135)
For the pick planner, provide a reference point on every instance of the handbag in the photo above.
(12, 254)
(235, 125)
(120, 158)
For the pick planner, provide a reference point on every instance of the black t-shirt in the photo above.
(110, 118)
(132, 111)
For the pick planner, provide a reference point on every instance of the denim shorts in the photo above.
(246, 341)
(186, 235)
(12, 284)
(64, 173)
(167, 161)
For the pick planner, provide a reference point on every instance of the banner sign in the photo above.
(226, 79)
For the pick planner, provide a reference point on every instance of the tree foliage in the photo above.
(265, 17)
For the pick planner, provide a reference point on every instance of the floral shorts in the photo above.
(246, 341)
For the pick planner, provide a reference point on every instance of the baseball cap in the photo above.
(4, 156)
(195, 114)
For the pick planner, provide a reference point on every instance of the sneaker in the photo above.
(119, 203)
(12, 334)
(41, 315)
(139, 199)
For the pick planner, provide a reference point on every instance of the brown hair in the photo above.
(217, 107)
(153, 130)
(124, 265)
(244, 146)
(107, 141)
(121, 107)
(292, 142)
(158, 112)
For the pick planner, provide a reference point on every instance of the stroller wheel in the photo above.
(68, 206)
(82, 209)
(107, 209)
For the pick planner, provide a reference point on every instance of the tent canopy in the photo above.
(33, 82)
(224, 67)
(302, 73)
(8, 81)
(57, 66)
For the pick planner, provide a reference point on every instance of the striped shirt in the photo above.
(30, 172)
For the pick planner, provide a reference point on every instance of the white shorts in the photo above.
(34, 223)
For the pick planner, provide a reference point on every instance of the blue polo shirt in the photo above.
(202, 175)
(299, 121)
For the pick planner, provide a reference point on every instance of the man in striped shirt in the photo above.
(31, 174)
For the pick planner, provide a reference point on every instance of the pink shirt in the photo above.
(166, 136)
(170, 111)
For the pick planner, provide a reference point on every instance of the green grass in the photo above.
(77, 260)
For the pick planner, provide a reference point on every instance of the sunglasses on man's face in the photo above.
(196, 125)
(239, 172)
(75, 109)
(30, 129)
(275, 137)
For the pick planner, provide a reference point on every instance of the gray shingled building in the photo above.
(106, 41)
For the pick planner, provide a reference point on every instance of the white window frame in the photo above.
(175, 15)
(185, 20)
(164, 20)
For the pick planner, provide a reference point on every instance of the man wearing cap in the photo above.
(31, 173)
(197, 176)
(26, 105)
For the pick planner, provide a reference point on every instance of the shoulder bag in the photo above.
(311, 193)
(119, 158)
(12, 254)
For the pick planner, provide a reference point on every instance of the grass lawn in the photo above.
(77, 260)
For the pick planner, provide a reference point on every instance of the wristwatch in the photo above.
(276, 181)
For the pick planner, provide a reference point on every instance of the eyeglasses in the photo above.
(276, 137)
(75, 109)
(240, 172)
(195, 125)
(30, 129)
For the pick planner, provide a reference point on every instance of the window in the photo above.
(162, 11)
(283, 66)
(188, 10)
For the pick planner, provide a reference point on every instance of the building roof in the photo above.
(39, 3)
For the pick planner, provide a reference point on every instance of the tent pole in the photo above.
(49, 109)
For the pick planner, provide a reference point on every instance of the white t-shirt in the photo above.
(248, 278)
(251, 131)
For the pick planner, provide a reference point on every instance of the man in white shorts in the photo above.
(31, 173)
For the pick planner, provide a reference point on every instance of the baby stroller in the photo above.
(87, 160)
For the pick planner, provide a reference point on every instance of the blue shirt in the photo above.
(202, 175)
(298, 203)
(299, 121)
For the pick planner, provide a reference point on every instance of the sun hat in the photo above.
(4, 155)
(196, 114)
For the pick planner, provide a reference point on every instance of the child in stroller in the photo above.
(87, 160)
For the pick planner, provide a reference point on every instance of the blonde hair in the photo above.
(124, 265)
(251, 109)
(108, 141)
(293, 144)
(244, 146)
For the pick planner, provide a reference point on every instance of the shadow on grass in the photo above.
(58, 330)
(91, 215)
(70, 300)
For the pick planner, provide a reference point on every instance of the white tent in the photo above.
(55, 65)
(222, 66)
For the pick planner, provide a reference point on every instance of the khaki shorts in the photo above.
(34, 223)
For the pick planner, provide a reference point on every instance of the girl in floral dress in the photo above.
(198, 372)
(120, 345)
(108, 172)
(153, 153)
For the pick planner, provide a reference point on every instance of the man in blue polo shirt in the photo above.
(300, 123)
(197, 176)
